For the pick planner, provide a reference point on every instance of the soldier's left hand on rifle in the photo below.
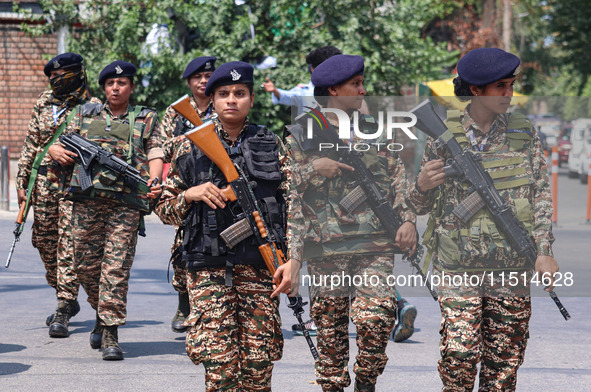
(61, 155)
(546, 268)
(406, 238)
(287, 285)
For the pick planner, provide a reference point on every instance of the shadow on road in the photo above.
(12, 368)
(146, 349)
(10, 348)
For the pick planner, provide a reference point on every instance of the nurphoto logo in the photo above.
(349, 129)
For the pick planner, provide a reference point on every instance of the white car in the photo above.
(580, 153)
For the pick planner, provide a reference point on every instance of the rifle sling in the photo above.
(39, 159)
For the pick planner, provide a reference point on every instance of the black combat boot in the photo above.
(181, 314)
(359, 387)
(96, 335)
(74, 311)
(110, 344)
(61, 320)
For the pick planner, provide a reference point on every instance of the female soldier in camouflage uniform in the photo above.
(485, 323)
(354, 244)
(173, 127)
(69, 87)
(234, 325)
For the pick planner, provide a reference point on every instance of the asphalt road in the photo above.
(558, 356)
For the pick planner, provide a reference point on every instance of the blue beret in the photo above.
(234, 72)
(200, 64)
(117, 69)
(337, 69)
(62, 61)
(486, 65)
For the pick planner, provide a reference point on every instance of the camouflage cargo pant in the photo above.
(490, 330)
(372, 310)
(45, 228)
(104, 236)
(234, 331)
(179, 278)
(67, 278)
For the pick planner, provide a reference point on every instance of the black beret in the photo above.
(117, 69)
(486, 65)
(62, 61)
(337, 69)
(200, 64)
(234, 72)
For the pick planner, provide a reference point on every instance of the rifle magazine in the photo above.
(353, 200)
(239, 231)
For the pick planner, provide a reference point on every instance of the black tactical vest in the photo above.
(257, 156)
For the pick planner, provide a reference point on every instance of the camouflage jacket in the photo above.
(41, 129)
(516, 162)
(146, 146)
(318, 227)
(173, 208)
(172, 121)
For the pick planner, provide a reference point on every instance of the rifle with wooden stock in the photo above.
(240, 191)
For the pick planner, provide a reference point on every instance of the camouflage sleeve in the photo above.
(422, 202)
(542, 200)
(31, 145)
(303, 172)
(400, 188)
(167, 127)
(152, 137)
(287, 187)
(172, 207)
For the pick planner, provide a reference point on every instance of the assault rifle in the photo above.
(90, 153)
(20, 224)
(240, 190)
(368, 190)
(465, 164)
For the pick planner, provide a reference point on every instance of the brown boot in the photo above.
(110, 344)
(61, 319)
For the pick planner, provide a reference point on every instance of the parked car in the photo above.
(550, 132)
(564, 144)
(544, 141)
(580, 153)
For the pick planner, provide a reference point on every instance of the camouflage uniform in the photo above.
(172, 126)
(334, 242)
(487, 323)
(49, 184)
(235, 331)
(104, 227)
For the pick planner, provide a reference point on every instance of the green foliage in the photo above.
(569, 20)
(387, 33)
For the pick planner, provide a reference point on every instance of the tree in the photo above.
(389, 34)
